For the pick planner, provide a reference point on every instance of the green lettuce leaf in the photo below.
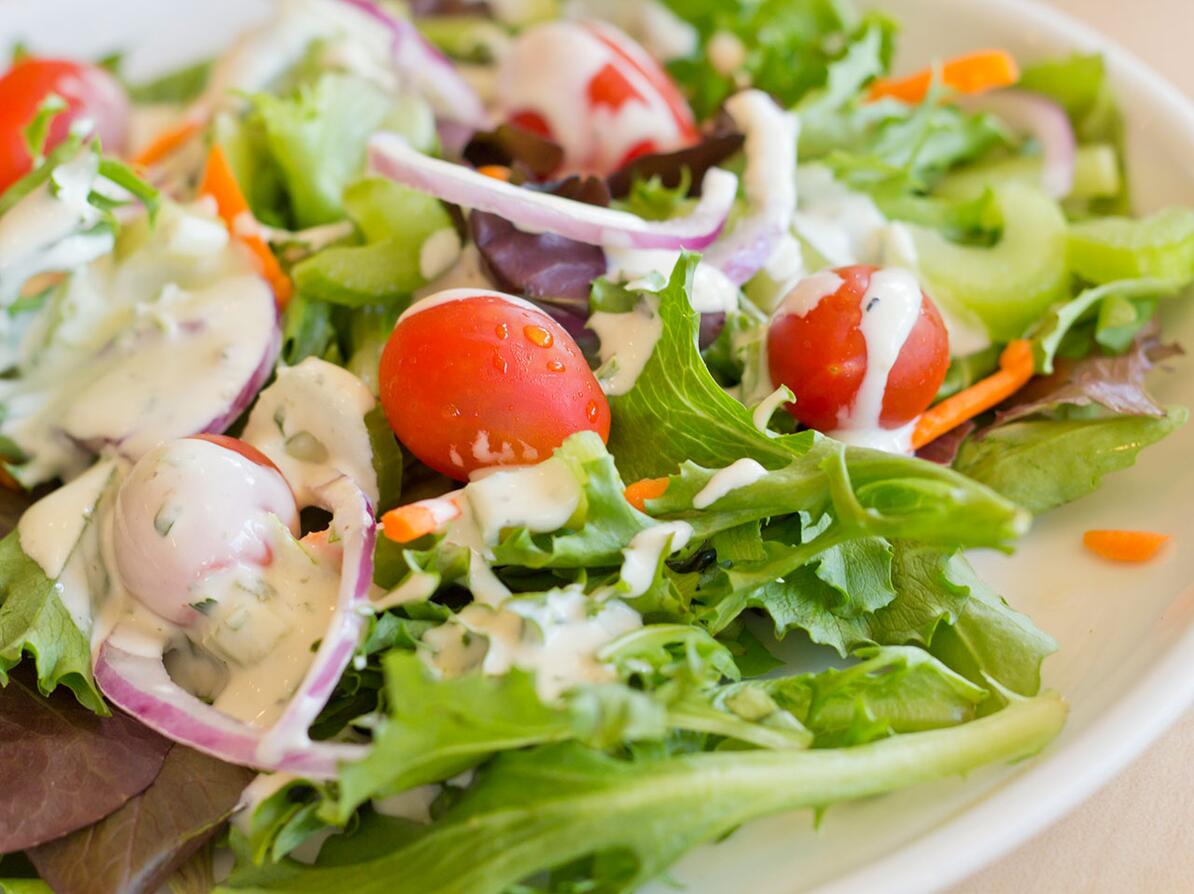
(536, 809)
(34, 622)
(1041, 464)
(317, 140)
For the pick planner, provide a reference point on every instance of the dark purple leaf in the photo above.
(139, 846)
(588, 189)
(944, 450)
(64, 767)
(528, 153)
(430, 8)
(669, 166)
(1116, 383)
(711, 326)
(538, 265)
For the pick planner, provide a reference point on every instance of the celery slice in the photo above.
(1111, 248)
(1096, 175)
(1009, 285)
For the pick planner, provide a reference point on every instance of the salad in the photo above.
(498, 447)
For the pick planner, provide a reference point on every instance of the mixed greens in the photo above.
(561, 672)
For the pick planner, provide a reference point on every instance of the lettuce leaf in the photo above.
(34, 622)
(1042, 464)
(545, 807)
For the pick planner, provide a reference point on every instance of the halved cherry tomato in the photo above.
(244, 448)
(482, 379)
(822, 356)
(89, 92)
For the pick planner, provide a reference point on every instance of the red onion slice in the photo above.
(391, 156)
(352, 521)
(431, 72)
(770, 184)
(138, 682)
(139, 685)
(1044, 120)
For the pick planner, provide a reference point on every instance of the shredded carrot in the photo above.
(497, 172)
(167, 142)
(975, 72)
(219, 182)
(1124, 546)
(407, 523)
(1016, 367)
(638, 493)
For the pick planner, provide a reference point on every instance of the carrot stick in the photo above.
(1124, 546)
(1015, 369)
(497, 172)
(415, 520)
(219, 182)
(167, 142)
(975, 72)
(638, 493)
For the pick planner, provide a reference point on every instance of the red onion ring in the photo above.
(139, 684)
(1047, 122)
(391, 156)
(770, 183)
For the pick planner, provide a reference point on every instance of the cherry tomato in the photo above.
(244, 448)
(594, 91)
(89, 92)
(821, 354)
(476, 379)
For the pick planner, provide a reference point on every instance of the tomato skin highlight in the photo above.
(480, 381)
(89, 92)
(822, 357)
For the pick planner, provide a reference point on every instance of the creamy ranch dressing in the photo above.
(627, 342)
(741, 473)
(540, 498)
(647, 549)
(760, 417)
(311, 423)
(447, 296)
(712, 291)
(466, 273)
(890, 309)
(557, 638)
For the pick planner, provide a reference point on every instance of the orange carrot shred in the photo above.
(1124, 546)
(497, 172)
(167, 142)
(638, 493)
(219, 182)
(1015, 369)
(407, 523)
(975, 72)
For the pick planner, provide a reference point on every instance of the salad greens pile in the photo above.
(487, 775)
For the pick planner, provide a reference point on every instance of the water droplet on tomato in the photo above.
(555, 366)
(451, 411)
(499, 363)
(591, 411)
(503, 331)
(538, 335)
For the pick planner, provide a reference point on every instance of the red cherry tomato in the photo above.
(89, 92)
(822, 356)
(244, 448)
(609, 101)
(481, 380)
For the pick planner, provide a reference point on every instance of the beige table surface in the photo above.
(1137, 834)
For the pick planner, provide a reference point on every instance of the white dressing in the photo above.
(50, 529)
(556, 637)
(741, 473)
(712, 291)
(439, 252)
(447, 296)
(627, 342)
(760, 417)
(647, 549)
(890, 309)
(311, 423)
(803, 298)
(540, 498)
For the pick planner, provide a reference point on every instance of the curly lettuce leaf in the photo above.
(545, 807)
(1042, 464)
(34, 622)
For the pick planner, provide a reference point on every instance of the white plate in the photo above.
(1127, 634)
